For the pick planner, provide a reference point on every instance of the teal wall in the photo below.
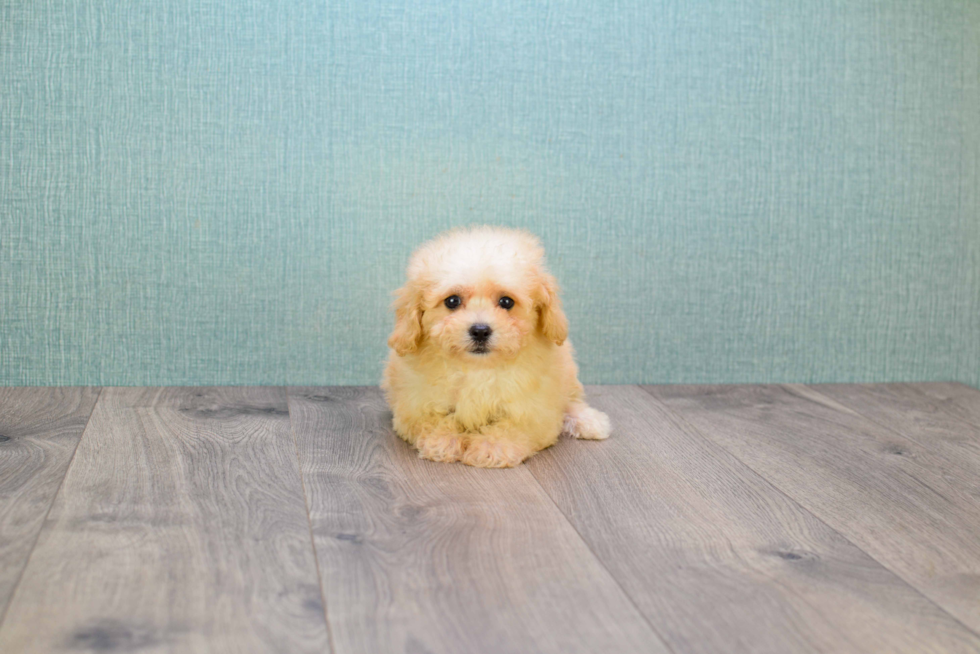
(207, 191)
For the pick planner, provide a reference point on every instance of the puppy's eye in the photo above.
(452, 302)
(506, 303)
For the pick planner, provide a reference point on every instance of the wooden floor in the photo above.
(716, 519)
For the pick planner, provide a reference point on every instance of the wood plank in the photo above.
(717, 558)
(39, 430)
(418, 556)
(888, 495)
(180, 527)
(958, 400)
(935, 416)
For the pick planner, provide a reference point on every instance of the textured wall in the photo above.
(199, 191)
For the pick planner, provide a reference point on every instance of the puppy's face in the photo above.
(479, 319)
(480, 295)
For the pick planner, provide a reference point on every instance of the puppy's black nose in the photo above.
(480, 332)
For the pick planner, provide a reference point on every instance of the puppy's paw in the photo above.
(495, 454)
(582, 421)
(445, 448)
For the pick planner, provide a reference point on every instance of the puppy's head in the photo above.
(479, 293)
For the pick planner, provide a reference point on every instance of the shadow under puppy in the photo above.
(480, 368)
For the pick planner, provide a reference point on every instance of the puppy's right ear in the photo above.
(407, 335)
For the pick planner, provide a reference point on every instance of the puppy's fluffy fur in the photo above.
(489, 403)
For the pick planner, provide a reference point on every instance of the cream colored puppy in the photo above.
(480, 368)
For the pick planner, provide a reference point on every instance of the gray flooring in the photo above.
(722, 519)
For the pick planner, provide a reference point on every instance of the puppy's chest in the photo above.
(480, 397)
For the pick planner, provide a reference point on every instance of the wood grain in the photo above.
(718, 559)
(935, 416)
(895, 499)
(958, 400)
(180, 527)
(419, 556)
(39, 430)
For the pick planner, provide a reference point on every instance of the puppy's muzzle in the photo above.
(480, 333)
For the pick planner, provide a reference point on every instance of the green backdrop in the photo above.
(226, 192)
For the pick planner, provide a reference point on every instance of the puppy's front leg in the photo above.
(436, 438)
(501, 445)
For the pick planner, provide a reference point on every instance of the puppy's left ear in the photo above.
(551, 318)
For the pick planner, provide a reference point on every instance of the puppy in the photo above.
(480, 369)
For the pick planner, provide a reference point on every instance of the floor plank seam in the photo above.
(54, 498)
(898, 432)
(963, 420)
(694, 430)
(887, 428)
(602, 564)
(309, 524)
